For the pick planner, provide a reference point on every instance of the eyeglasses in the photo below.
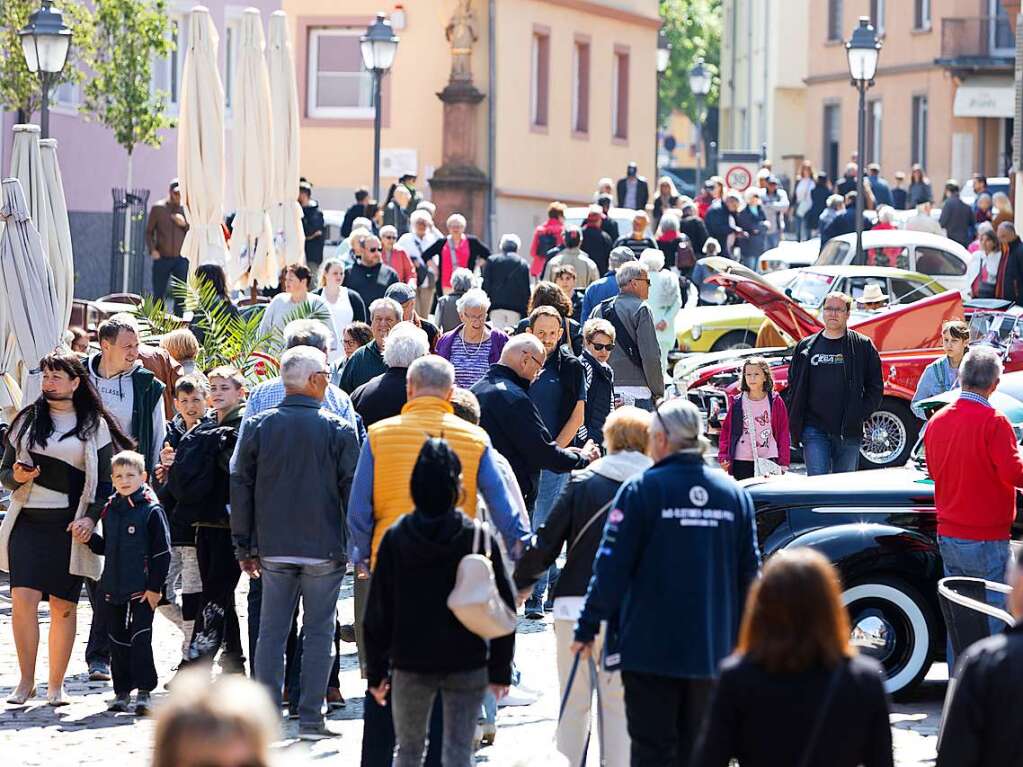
(374, 250)
(388, 237)
(322, 373)
(603, 347)
(475, 317)
(539, 363)
(642, 279)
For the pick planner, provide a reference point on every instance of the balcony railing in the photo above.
(977, 39)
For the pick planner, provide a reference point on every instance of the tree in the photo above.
(20, 89)
(129, 34)
(693, 28)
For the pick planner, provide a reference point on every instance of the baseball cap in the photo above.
(401, 292)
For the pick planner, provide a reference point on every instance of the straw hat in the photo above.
(872, 294)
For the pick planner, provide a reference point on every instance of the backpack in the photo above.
(625, 341)
(545, 243)
(196, 480)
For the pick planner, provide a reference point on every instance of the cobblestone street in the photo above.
(83, 733)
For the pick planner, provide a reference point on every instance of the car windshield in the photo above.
(833, 253)
(809, 288)
(994, 328)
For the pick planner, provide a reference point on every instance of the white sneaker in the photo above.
(518, 697)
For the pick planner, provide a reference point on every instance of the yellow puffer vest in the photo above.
(396, 443)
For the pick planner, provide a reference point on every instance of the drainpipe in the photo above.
(749, 77)
(491, 122)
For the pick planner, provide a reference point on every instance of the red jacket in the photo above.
(974, 459)
(555, 228)
(732, 428)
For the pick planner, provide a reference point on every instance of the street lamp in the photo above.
(379, 45)
(45, 41)
(699, 85)
(663, 59)
(862, 49)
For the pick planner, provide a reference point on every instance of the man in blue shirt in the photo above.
(606, 286)
(678, 555)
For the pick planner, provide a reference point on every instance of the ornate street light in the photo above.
(699, 85)
(863, 49)
(379, 45)
(45, 41)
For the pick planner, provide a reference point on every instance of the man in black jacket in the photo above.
(956, 216)
(511, 419)
(1012, 252)
(385, 395)
(312, 224)
(506, 281)
(720, 222)
(981, 727)
(596, 243)
(834, 386)
(845, 222)
(355, 211)
(633, 190)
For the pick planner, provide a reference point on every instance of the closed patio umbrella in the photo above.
(26, 287)
(253, 254)
(10, 391)
(27, 167)
(59, 254)
(286, 213)
(201, 144)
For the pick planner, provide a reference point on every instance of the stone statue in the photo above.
(461, 34)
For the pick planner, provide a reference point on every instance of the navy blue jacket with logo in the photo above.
(678, 555)
(135, 545)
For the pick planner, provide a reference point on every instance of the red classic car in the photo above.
(908, 339)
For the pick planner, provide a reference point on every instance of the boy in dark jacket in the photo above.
(136, 545)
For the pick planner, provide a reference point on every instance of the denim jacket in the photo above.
(938, 377)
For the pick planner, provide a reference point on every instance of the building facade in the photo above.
(763, 68)
(92, 163)
(943, 95)
(573, 83)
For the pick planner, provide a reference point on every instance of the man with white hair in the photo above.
(368, 361)
(383, 396)
(456, 251)
(297, 551)
(636, 359)
(606, 286)
(974, 458)
(506, 281)
(514, 424)
(677, 608)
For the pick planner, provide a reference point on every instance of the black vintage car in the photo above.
(879, 528)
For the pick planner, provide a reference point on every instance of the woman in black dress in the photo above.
(57, 464)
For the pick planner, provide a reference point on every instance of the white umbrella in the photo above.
(27, 167)
(286, 213)
(26, 287)
(252, 247)
(201, 144)
(60, 254)
(10, 391)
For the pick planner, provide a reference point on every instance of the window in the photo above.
(906, 291)
(834, 19)
(339, 85)
(167, 70)
(540, 91)
(919, 148)
(895, 256)
(877, 15)
(620, 96)
(874, 131)
(66, 95)
(921, 14)
(940, 263)
(581, 88)
(832, 134)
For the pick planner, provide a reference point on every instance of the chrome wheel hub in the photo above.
(874, 636)
(884, 437)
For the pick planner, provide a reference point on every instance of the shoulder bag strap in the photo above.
(588, 525)
(822, 713)
(751, 430)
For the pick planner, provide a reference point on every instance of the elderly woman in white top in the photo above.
(664, 300)
(446, 317)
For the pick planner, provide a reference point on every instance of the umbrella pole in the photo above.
(126, 255)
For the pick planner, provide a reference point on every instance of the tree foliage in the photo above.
(129, 35)
(693, 28)
(19, 88)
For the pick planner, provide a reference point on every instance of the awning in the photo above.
(985, 97)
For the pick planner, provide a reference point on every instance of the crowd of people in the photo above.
(448, 421)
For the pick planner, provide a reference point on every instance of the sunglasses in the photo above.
(603, 347)
(374, 250)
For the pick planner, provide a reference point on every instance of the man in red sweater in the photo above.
(974, 458)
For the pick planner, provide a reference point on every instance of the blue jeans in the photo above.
(547, 491)
(826, 453)
(318, 586)
(976, 559)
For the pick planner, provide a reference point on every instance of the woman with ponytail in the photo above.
(415, 572)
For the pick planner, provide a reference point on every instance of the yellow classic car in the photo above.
(736, 326)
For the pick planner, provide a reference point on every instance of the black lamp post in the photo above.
(699, 85)
(663, 59)
(862, 49)
(379, 45)
(45, 41)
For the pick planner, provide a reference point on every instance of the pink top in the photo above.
(759, 411)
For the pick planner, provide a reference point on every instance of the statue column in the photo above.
(458, 185)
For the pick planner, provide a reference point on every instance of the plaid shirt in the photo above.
(271, 393)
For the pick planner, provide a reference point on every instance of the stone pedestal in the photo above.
(458, 185)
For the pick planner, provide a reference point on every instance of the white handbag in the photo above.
(475, 600)
(762, 467)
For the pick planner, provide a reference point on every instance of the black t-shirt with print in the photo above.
(826, 397)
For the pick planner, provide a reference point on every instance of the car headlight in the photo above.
(696, 331)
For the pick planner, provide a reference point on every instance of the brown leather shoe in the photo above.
(335, 699)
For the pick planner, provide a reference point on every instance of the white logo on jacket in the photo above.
(698, 495)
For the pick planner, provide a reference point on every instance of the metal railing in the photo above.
(979, 37)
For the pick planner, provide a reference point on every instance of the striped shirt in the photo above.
(471, 361)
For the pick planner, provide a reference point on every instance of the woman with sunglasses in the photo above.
(599, 342)
(397, 259)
